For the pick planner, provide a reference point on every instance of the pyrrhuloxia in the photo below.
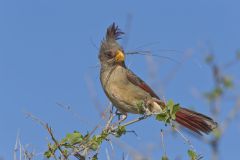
(126, 90)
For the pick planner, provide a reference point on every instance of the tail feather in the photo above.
(194, 121)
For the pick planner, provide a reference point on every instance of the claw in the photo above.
(121, 117)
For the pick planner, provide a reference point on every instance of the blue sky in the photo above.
(48, 55)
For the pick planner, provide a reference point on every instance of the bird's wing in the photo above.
(140, 83)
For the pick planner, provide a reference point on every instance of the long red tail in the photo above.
(194, 121)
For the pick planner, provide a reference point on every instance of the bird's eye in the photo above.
(109, 54)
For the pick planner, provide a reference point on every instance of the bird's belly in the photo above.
(126, 97)
(122, 93)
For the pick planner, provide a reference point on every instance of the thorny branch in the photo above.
(90, 143)
(49, 129)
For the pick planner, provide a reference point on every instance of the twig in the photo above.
(16, 147)
(107, 154)
(55, 141)
(45, 125)
(184, 137)
(133, 121)
(110, 119)
(30, 115)
(164, 149)
(20, 149)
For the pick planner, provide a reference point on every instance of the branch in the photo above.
(55, 141)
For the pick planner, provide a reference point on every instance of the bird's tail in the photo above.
(194, 121)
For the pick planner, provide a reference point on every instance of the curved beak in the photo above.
(119, 56)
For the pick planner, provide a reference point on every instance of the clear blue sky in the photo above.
(46, 56)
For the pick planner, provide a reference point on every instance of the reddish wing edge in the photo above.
(192, 120)
(140, 83)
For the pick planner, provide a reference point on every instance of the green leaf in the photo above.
(95, 157)
(169, 112)
(170, 105)
(94, 146)
(104, 134)
(48, 154)
(73, 138)
(209, 59)
(161, 117)
(120, 131)
(164, 158)
(192, 155)
(217, 133)
(141, 107)
(216, 93)
(97, 140)
(51, 150)
(227, 82)
(176, 107)
(65, 152)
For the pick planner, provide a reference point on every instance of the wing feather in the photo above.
(140, 83)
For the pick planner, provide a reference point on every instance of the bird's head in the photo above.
(111, 53)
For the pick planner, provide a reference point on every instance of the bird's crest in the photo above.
(113, 32)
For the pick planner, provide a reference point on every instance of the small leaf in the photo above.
(209, 59)
(216, 93)
(217, 133)
(65, 153)
(192, 155)
(51, 150)
(73, 138)
(164, 158)
(48, 154)
(94, 145)
(104, 134)
(95, 157)
(176, 107)
(141, 107)
(120, 131)
(169, 112)
(161, 117)
(227, 82)
(170, 105)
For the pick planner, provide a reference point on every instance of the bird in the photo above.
(126, 90)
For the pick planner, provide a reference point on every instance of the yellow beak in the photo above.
(119, 56)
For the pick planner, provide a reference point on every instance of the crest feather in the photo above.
(113, 32)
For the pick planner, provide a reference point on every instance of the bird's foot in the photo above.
(118, 113)
(145, 115)
(121, 117)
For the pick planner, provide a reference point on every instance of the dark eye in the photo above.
(109, 54)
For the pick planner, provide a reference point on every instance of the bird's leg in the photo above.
(118, 113)
(121, 117)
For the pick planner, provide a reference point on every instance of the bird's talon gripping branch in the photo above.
(117, 113)
(122, 117)
(146, 116)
